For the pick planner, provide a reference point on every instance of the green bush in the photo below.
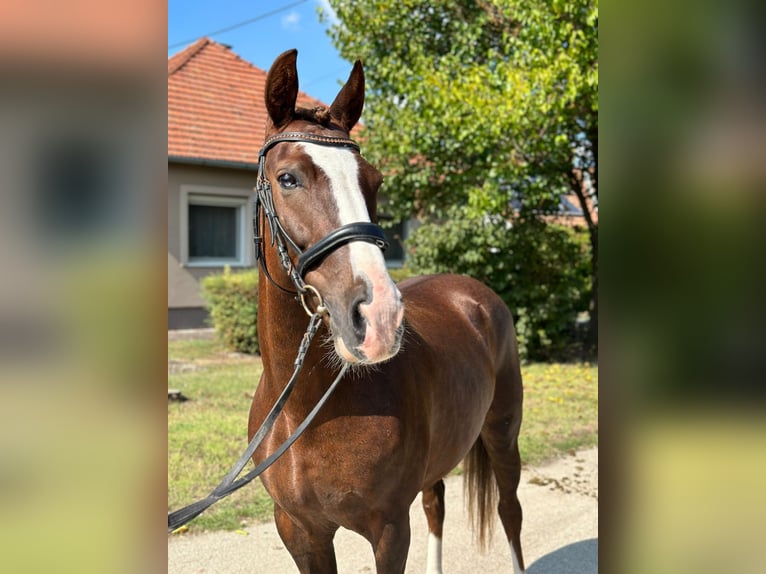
(540, 270)
(401, 273)
(233, 302)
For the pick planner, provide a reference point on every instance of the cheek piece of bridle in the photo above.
(307, 260)
(315, 254)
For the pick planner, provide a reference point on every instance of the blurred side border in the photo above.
(82, 296)
(683, 99)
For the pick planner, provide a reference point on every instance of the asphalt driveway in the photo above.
(559, 535)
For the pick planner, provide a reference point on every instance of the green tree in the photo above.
(487, 104)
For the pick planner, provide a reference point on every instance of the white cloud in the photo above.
(291, 21)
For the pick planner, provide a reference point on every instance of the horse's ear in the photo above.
(348, 104)
(282, 88)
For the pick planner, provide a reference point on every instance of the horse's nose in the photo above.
(368, 327)
(358, 321)
(380, 320)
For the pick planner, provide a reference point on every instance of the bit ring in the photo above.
(321, 309)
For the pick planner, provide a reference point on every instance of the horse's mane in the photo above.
(319, 115)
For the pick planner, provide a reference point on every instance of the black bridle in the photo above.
(314, 255)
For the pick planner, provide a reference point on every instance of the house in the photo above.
(216, 125)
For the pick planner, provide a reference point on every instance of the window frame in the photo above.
(240, 199)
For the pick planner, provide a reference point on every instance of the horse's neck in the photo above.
(282, 322)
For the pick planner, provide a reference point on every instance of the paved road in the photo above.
(559, 536)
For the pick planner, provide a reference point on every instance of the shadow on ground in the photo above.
(577, 558)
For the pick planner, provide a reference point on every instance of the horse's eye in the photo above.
(287, 181)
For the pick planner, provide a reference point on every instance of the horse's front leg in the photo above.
(391, 542)
(311, 547)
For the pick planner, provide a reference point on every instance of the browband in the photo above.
(302, 137)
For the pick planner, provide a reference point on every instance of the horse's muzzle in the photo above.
(373, 330)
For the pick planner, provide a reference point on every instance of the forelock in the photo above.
(319, 115)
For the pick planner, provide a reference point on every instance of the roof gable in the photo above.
(216, 110)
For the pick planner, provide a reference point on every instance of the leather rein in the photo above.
(307, 260)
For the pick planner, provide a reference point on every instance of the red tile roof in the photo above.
(215, 105)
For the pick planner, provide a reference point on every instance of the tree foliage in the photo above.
(487, 104)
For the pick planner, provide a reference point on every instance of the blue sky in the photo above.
(320, 67)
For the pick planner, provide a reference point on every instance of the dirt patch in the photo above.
(186, 334)
(571, 474)
(178, 367)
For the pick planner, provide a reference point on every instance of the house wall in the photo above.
(185, 304)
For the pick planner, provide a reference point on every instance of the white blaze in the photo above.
(384, 311)
(342, 170)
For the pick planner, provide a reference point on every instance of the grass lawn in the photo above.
(208, 433)
(560, 410)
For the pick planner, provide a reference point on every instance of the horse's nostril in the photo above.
(358, 322)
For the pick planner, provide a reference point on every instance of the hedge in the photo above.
(232, 299)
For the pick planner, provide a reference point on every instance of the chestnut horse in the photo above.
(434, 375)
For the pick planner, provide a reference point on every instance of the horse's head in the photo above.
(320, 186)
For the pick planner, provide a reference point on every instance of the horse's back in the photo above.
(449, 290)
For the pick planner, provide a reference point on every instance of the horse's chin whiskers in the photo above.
(335, 362)
(330, 357)
(363, 367)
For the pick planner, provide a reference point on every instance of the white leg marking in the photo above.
(516, 568)
(434, 558)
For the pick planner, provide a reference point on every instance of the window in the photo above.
(395, 235)
(214, 230)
